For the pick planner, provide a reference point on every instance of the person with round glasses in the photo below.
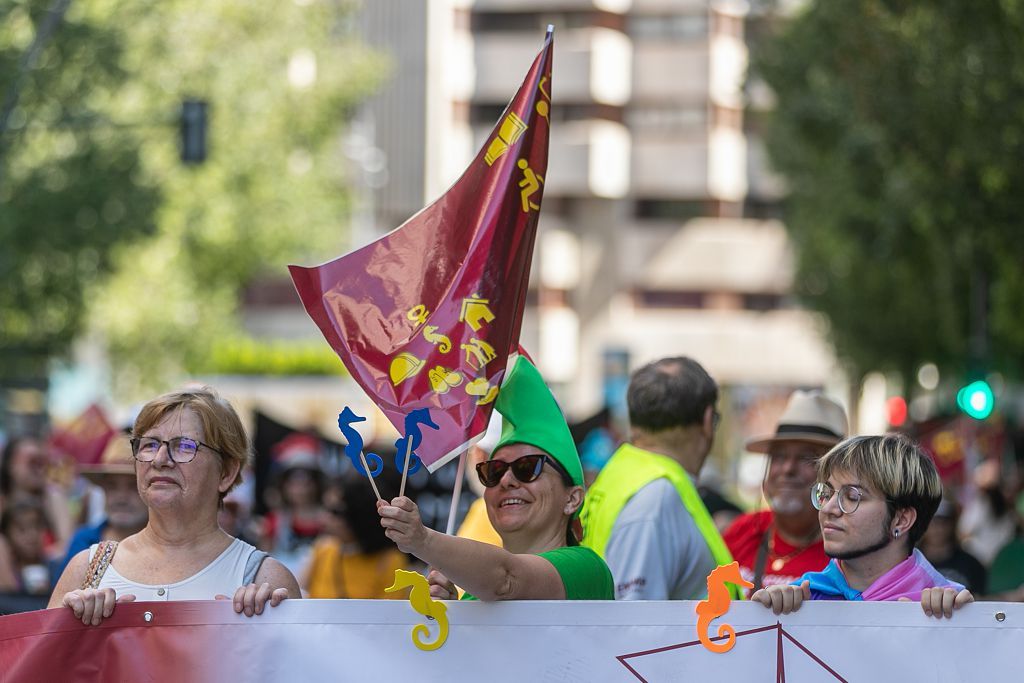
(875, 497)
(189, 448)
(533, 492)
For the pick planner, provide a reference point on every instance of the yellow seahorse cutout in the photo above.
(717, 605)
(419, 598)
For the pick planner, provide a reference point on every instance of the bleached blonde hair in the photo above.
(894, 466)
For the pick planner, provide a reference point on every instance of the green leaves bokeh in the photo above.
(110, 233)
(898, 126)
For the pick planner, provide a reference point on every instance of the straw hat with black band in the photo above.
(809, 417)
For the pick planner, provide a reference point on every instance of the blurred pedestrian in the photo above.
(124, 511)
(291, 528)
(352, 558)
(942, 548)
(643, 514)
(777, 545)
(24, 567)
(24, 470)
(1006, 576)
(987, 522)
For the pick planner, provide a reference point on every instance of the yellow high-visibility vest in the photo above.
(628, 471)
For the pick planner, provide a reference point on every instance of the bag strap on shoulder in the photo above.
(101, 559)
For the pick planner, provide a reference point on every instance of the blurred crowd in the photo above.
(323, 526)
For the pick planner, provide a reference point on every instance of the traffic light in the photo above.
(193, 131)
(976, 399)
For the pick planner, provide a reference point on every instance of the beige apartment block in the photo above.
(659, 232)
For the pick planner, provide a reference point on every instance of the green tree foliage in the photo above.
(69, 190)
(280, 79)
(898, 127)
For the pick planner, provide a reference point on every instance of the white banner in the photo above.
(359, 640)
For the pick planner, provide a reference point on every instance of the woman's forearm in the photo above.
(485, 571)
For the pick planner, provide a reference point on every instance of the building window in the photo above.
(667, 119)
(668, 27)
(655, 298)
(525, 22)
(669, 209)
(762, 302)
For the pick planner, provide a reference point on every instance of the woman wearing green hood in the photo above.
(534, 491)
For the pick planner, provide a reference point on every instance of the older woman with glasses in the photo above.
(875, 496)
(190, 448)
(534, 491)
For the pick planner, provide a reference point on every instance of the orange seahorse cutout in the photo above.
(717, 605)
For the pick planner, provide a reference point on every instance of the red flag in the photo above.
(85, 438)
(428, 315)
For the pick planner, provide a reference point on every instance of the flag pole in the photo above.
(456, 493)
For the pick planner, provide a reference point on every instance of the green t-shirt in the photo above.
(584, 574)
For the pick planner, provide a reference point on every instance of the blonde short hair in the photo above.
(896, 467)
(222, 428)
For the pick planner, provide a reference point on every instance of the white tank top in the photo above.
(223, 576)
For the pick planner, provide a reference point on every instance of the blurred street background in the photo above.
(797, 194)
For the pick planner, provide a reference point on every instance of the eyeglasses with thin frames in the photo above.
(849, 497)
(181, 449)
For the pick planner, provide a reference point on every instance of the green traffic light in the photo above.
(976, 400)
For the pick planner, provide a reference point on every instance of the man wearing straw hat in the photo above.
(125, 513)
(777, 545)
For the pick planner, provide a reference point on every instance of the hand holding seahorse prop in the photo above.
(419, 598)
(717, 605)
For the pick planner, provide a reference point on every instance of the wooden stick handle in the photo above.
(405, 465)
(366, 468)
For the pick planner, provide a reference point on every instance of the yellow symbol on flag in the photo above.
(418, 314)
(512, 128)
(479, 350)
(480, 387)
(443, 343)
(530, 183)
(420, 600)
(474, 310)
(543, 107)
(443, 379)
(404, 366)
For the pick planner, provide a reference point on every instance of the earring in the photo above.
(895, 533)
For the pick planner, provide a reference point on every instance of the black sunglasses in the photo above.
(525, 468)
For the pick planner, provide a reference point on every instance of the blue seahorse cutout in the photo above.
(415, 418)
(355, 444)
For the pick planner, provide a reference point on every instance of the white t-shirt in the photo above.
(223, 576)
(656, 551)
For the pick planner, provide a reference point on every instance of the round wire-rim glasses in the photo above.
(849, 497)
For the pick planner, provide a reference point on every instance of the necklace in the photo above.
(780, 560)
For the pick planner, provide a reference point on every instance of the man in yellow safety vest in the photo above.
(643, 514)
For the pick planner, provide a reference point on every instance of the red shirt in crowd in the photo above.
(784, 563)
